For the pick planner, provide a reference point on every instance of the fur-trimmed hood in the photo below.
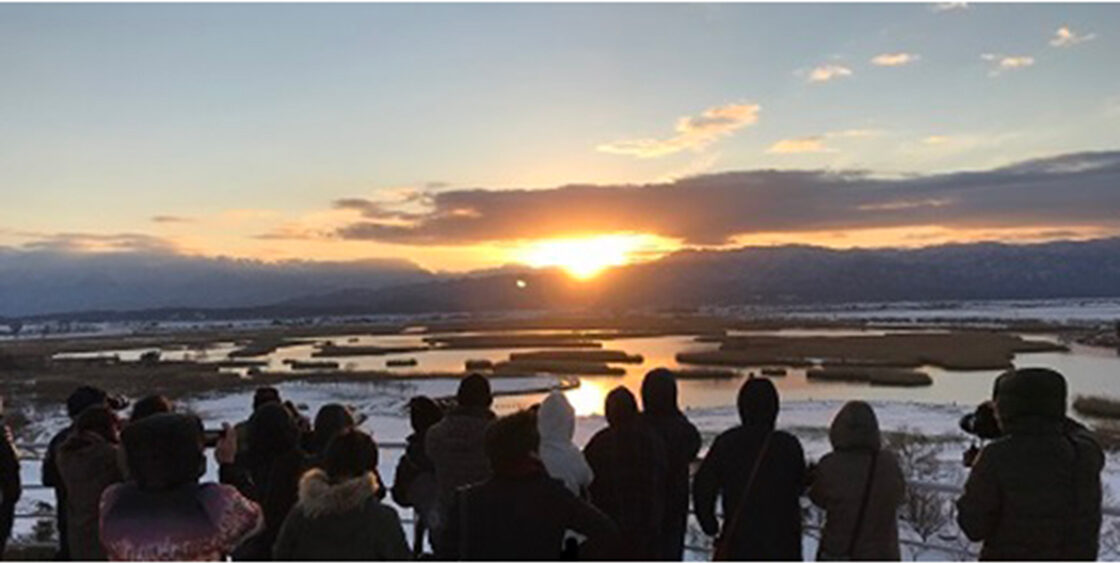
(319, 497)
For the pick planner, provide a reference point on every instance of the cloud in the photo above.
(692, 132)
(1066, 37)
(1067, 191)
(895, 59)
(816, 143)
(171, 219)
(94, 242)
(1001, 63)
(800, 145)
(824, 73)
(949, 6)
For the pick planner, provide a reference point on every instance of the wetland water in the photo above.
(1088, 370)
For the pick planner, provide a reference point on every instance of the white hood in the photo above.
(556, 422)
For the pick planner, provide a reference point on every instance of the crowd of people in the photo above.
(516, 487)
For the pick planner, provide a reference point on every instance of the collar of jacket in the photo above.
(319, 497)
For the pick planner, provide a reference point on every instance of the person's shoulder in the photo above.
(786, 439)
(380, 511)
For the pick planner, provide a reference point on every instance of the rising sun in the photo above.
(584, 258)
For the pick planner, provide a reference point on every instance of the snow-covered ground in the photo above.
(383, 404)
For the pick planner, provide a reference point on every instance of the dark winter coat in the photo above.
(629, 465)
(769, 527)
(341, 522)
(839, 484)
(88, 464)
(50, 477)
(188, 523)
(682, 443)
(1035, 493)
(10, 484)
(455, 447)
(520, 516)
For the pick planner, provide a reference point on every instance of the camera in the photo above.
(982, 422)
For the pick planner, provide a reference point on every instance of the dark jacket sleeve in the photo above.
(391, 534)
(692, 441)
(50, 476)
(285, 547)
(705, 489)
(979, 506)
(603, 536)
(11, 487)
(238, 476)
(447, 548)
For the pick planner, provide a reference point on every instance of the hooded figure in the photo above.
(1035, 493)
(455, 444)
(682, 443)
(339, 516)
(629, 464)
(164, 514)
(556, 422)
(89, 461)
(840, 482)
(269, 472)
(520, 513)
(768, 525)
(414, 481)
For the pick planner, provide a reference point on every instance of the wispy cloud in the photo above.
(949, 6)
(171, 219)
(1002, 63)
(816, 143)
(692, 132)
(97, 242)
(1066, 37)
(895, 59)
(824, 73)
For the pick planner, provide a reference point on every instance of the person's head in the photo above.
(164, 451)
(265, 395)
(100, 420)
(331, 420)
(272, 431)
(423, 413)
(1030, 393)
(556, 419)
(659, 392)
(758, 403)
(511, 441)
(855, 427)
(152, 404)
(621, 408)
(351, 453)
(83, 398)
(474, 391)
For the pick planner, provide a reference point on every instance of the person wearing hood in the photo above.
(152, 404)
(556, 423)
(269, 473)
(89, 461)
(758, 473)
(163, 513)
(455, 445)
(1035, 492)
(520, 513)
(629, 463)
(860, 487)
(339, 516)
(82, 398)
(11, 486)
(414, 481)
(682, 443)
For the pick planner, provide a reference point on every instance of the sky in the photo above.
(467, 136)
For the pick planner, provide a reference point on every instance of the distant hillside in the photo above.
(41, 282)
(764, 275)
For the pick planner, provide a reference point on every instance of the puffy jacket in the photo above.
(520, 515)
(341, 522)
(556, 423)
(455, 446)
(839, 484)
(682, 443)
(769, 526)
(189, 523)
(629, 464)
(88, 464)
(1035, 493)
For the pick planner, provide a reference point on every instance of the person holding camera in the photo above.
(1034, 492)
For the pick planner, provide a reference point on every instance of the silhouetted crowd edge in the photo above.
(516, 487)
